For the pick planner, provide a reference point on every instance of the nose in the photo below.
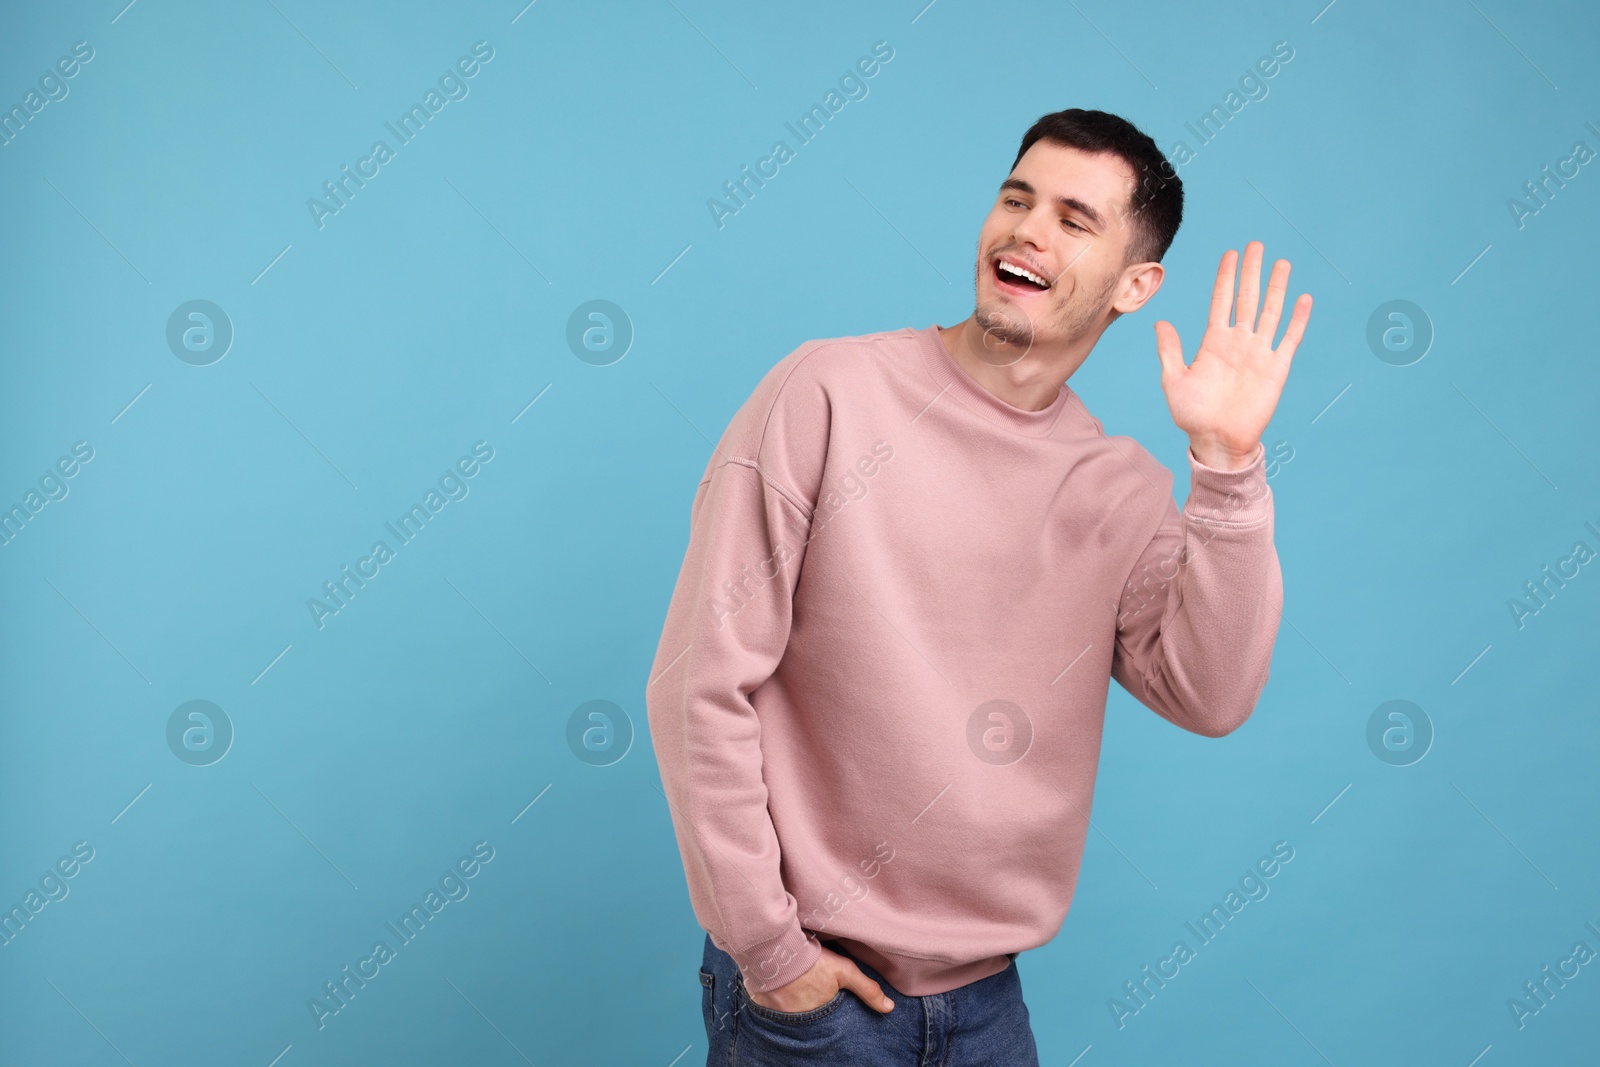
(1026, 230)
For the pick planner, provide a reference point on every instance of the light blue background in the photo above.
(429, 312)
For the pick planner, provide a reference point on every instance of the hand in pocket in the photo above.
(831, 973)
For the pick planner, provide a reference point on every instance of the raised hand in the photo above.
(1225, 398)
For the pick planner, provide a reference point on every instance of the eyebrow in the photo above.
(1072, 203)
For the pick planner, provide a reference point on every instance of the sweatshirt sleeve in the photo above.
(1199, 615)
(726, 629)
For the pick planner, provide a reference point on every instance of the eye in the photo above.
(1074, 225)
(1013, 200)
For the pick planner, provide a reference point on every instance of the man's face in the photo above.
(1062, 216)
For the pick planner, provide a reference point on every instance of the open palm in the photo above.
(1226, 397)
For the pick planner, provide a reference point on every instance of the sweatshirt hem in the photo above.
(918, 977)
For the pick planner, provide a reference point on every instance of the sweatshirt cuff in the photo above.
(1237, 497)
(779, 961)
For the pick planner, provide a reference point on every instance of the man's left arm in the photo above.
(1196, 647)
(1198, 617)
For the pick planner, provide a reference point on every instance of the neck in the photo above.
(1030, 382)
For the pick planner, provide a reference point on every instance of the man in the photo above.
(915, 562)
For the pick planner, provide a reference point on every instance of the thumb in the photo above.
(1169, 349)
(868, 990)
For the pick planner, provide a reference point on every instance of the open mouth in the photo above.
(1011, 278)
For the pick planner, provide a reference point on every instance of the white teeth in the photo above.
(1012, 268)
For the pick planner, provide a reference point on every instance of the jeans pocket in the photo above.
(708, 999)
(789, 1018)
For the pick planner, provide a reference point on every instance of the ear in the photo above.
(1137, 285)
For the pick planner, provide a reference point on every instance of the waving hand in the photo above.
(1225, 398)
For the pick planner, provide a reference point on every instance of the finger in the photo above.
(868, 990)
(1169, 349)
(1249, 286)
(1222, 292)
(1297, 326)
(1272, 309)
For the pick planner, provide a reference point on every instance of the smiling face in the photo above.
(1052, 254)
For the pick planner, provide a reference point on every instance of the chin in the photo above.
(1003, 323)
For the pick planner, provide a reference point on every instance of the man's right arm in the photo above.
(726, 629)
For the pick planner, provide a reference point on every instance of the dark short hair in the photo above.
(1155, 207)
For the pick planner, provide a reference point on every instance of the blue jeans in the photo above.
(982, 1023)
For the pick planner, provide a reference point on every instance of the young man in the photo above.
(915, 562)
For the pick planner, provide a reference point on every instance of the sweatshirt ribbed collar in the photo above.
(947, 372)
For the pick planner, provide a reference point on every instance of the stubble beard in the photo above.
(1009, 334)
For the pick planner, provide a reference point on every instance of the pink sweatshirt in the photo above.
(878, 697)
